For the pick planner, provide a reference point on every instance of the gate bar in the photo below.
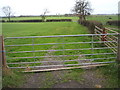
(61, 36)
(81, 60)
(65, 65)
(64, 55)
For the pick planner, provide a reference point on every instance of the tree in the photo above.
(82, 9)
(44, 13)
(7, 11)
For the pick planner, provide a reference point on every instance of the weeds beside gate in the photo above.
(59, 50)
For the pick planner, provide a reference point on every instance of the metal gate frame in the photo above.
(92, 48)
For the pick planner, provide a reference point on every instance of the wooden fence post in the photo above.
(2, 55)
(1, 52)
(118, 53)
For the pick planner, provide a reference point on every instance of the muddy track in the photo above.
(91, 78)
(51, 53)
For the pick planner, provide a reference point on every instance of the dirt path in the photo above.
(53, 60)
(90, 78)
(51, 53)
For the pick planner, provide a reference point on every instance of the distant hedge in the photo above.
(22, 21)
(91, 24)
(59, 20)
(48, 20)
(2, 20)
(115, 22)
(25, 21)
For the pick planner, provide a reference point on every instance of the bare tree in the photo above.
(7, 11)
(82, 9)
(44, 13)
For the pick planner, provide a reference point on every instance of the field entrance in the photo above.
(59, 51)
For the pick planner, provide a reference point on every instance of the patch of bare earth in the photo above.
(32, 80)
(53, 60)
(91, 77)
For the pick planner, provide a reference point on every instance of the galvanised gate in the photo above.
(58, 51)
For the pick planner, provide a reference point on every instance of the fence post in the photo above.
(2, 55)
(118, 53)
(0, 52)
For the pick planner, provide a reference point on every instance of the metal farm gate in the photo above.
(60, 51)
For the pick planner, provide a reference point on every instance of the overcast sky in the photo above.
(36, 7)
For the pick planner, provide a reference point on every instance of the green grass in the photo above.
(12, 79)
(110, 73)
(41, 29)
(69, 75)
(102, 18)
(74, 74)
(49, 80)
(46, 29)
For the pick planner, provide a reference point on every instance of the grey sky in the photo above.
(36, 7)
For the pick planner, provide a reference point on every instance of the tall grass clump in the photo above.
(12, 78)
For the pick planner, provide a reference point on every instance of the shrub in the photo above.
(58, 20)
(2, 20)
(48, 20)
(13, 21)
(30, 21)
(110, 18)
(25, 21)
(91, 24)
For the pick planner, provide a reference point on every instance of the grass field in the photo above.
(46, 29)
(103, 18)
(52, 28)
(42, 29)
(100, 18)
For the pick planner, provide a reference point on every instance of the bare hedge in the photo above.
(59, 20)
(48, 20)
(91, 24)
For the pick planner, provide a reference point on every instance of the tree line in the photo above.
(81, 9)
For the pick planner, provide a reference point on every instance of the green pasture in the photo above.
(42, 29)
(48, 29)
(102, 18)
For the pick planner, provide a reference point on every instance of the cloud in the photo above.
(36, 7)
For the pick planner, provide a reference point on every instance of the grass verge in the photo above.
(12, 79)
(110, 73)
